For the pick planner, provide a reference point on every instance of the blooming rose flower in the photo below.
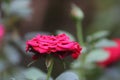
(2, 31)
(59, 46)
(114, 54)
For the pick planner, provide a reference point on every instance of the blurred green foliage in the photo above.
(106, 17)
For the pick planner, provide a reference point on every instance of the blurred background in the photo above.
(20, 20)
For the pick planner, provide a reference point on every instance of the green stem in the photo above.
(50, 70)
(79, 32)
(81, 41)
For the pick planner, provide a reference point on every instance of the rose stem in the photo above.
(50, 70)
(81, 41)
(79, 32)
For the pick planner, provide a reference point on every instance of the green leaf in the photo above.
(98, 35)
(105, 43)
(31, 63)
(68, 75)
(96, 56)
(34, 74)
(12, 54)
(76, 64)
(67, 33)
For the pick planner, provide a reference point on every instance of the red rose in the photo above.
(114, 54)
(59, 46)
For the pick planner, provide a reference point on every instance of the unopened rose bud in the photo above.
(76, 12)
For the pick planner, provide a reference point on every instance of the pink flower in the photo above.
(114, 54)
(59, 46)
(2, 31)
